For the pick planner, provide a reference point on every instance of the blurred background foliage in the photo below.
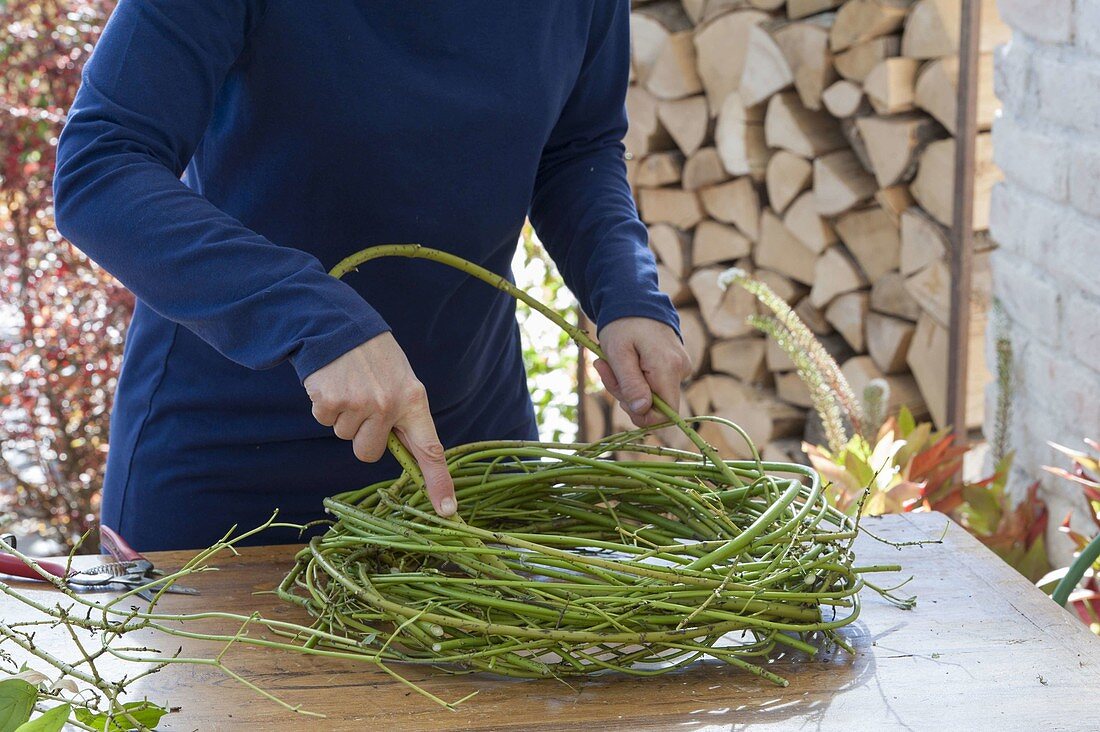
(63, 318)
(548, 353)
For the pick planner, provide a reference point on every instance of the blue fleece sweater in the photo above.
(222, 155)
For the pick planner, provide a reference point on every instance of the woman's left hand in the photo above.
(643, 357)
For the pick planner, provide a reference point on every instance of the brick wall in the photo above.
(1046, 218)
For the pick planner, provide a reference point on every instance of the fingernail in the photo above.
(638, 405)
(447, 506)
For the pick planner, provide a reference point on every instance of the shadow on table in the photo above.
(815, 684)
(704, 697)
(709, 696)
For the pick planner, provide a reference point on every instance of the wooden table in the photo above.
(983, 650)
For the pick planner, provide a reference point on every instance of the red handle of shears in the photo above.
(116, 546)
(14, 566)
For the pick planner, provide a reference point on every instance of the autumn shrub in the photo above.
(63, 318)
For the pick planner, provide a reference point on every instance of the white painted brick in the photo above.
(1084, 178)
(989, 341)
(1057, 403)
(1033, 158)
(1012, 72)
(1068, 90)
(1034, 426)
(1038, 423)
(1046, 20)
(1081, 330)
(1017, 486)
(1045, 218)
(1024, 223)
(1029, 297)
(1073, 392)
(1075, 255)
(1088, 25)
(1036, 372)
(1059, 397)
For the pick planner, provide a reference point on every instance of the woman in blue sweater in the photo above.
(222, 155)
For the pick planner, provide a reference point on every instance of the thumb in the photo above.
(417, 432)
(636, 394)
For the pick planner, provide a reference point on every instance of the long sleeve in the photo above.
(147, 95)
(582, 208)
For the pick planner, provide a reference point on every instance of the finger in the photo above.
(607, 376)
(417, 432)
(662, 373)
(325, 415)
(648, 419)
(370, 441)
(633, 386)
(635, 419)
(347, 424)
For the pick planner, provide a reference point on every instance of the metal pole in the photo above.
(962, 225)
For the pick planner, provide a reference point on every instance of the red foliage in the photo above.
(936, 469)
(1085, 472)
(63, 319)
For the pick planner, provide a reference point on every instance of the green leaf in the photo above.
(144, 713)
(875, 505)
(1002, 469)
(857, 447)
(16, 703)
(1035, 562)
(50, 721)
(906, 423)
(985, 510)
(915, 440)
(859, 470)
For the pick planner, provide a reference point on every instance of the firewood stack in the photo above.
(811, 143)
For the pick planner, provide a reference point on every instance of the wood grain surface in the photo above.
(983, 650)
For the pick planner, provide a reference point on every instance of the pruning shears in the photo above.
(129, 570)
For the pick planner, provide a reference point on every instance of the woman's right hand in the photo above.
(368, 392)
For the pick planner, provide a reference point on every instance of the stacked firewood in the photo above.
(809, 142)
